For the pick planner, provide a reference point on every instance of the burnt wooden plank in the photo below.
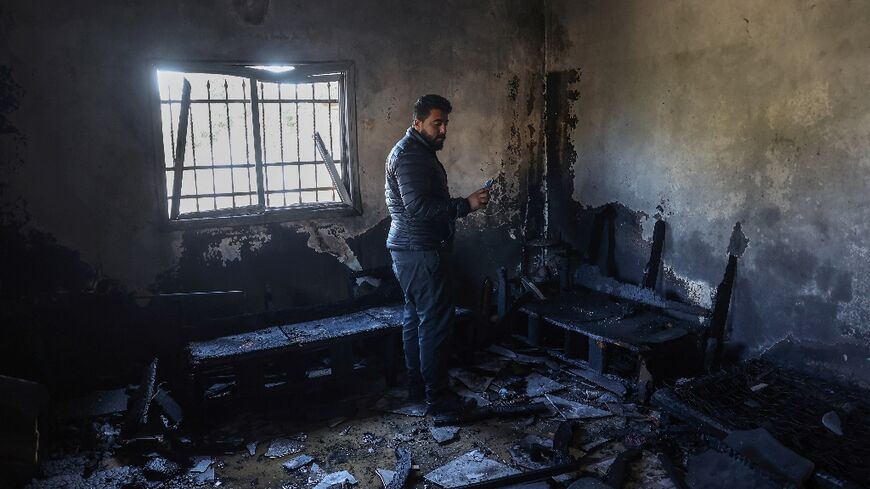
(624, 324)
(180, 145)
(651, 274)
(509, 411)
(239, 345)
(334, 328)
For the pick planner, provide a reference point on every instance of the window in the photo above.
(238, 141)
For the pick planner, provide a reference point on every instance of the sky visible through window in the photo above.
(220, 162)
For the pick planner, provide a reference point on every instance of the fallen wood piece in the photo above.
(668, 401)
(403, 469)
(511, 411)
(138, 416)
(531, 287)
(523, 477)
(600, 380)
(168, 405)
(768, 453)
(576, 410)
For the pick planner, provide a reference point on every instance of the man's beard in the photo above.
(437, 142)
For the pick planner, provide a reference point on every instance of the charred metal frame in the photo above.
(341, 73)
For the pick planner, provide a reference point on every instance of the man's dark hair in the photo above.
(424, 105)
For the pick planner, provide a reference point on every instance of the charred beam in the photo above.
(487, 412)
(530, 476)
(651, 274)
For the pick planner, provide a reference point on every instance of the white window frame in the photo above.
(341, 72)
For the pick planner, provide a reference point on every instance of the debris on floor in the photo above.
(386, 476)
(541, 421)
(537, 385)
(444, 434)
(832, 422)
(281, 447)
(474, 381)
(336, 479)
(296, 462)
(395, 401)
(469, 468)
(575, 410)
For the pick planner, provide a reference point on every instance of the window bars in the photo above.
(240, 141)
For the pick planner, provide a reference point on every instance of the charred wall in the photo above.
(78, 145)
(88, 173)
(709, 114)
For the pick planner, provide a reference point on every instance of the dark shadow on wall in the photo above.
(609, 237)
(277, 261)
(370, 247)
(61, 322)
(478, 254)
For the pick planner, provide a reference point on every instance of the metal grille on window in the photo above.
(290, 114)
(219, 171)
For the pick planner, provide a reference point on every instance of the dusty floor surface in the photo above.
(365, 439)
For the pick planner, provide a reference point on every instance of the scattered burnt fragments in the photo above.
(481, 413)
(402, 469)
(137, 417)
(791, 407)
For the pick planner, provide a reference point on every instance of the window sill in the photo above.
(301, 213)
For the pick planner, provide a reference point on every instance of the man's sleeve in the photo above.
(414, 177)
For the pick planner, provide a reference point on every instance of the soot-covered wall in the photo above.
(710, 113)
(80, 166)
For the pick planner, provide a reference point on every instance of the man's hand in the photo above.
(478, 199)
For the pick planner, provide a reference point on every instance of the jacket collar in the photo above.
(413, 134)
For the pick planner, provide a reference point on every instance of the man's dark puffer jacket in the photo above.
(422, 211)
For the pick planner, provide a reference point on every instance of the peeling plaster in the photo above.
(696, 292)
(329, 239)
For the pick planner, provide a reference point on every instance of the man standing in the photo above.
(420, 239)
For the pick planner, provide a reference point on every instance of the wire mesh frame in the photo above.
(303, 94)
(226, 102)
(337, 75)
(790, 406)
